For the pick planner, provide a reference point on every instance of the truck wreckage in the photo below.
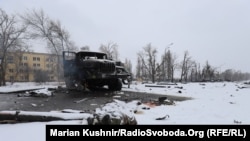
(89, 70)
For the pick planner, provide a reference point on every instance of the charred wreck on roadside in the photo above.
(90, 70)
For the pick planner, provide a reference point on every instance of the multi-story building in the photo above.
(31, 66)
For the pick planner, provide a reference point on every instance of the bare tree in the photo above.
(195, 72)
(139, 69)
(228, 74)
(11, 39)
(61, 38)
(186, 66)
(167, 65)
(85, 47)
(170, 65)
(183, 65)
(128, 65)
(42, 27)
(57, 38)
(148, 59)
(128, 68)
(111, 49)
(208, 72)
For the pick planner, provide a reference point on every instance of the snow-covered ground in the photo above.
(212, 103)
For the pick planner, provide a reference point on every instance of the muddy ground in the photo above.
(75, 100)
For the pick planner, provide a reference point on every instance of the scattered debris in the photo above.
(138, 112)
(248, 83)
(237, 122)
(168, 102)
(33, 104)
(162, 99)
(120, 92)
(162, 118)
(111, 118)
(71, 111)
(145, 108)
(151, 104)
(158, 86)
(82, 100)
(116, 96)
(138, 103)
(45, 92)
(166, 83)
(20, 90)
(179, 87)
(24, 95)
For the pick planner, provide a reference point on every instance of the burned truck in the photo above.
(90, 70)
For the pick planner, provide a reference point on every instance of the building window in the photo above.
(11, 70)
(49, 60)
(11, 78)
(49, 66)
(24, 64)
(36, 65)
(10, 59)
(25, 70)
(26, 78)
(25, 58)
(51, 78)
(36, 58)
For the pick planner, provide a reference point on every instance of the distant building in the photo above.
(30, 66)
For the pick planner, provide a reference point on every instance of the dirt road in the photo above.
(61, 100)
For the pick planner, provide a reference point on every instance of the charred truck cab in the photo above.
(90, 70)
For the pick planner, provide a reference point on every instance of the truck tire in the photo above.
(115, 85)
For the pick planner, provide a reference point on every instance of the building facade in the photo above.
(30, 66)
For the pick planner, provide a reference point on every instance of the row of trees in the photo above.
(169, 69)
(16, 31)
(187, 70)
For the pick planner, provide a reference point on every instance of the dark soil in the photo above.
(75, 100)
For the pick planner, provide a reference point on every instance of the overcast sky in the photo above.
(217, 31)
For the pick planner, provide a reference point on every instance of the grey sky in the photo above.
(213, 30)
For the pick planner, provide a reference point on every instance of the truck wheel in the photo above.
(118, 85)
(115, 85)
